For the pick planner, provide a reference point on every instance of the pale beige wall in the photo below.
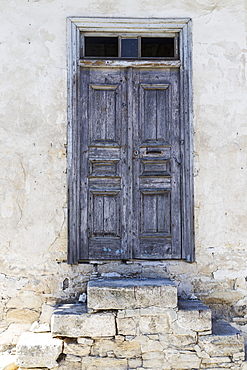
(33, 120)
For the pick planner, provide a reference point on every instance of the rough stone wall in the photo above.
(133, 324)
(33, 124)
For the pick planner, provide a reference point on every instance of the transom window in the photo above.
(129, 47)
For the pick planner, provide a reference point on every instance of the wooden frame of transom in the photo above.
(130, 26)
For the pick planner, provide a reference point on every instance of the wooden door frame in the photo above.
(158, 27)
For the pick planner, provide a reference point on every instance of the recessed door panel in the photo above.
(154, 110)
(104, 113)
(155, 213)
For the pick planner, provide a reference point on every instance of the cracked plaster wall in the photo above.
(33, 124)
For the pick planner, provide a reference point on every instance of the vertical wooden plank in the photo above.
(126, 164)
(102, 115)
(137, 136)
(163, 208)
(111, 115)
(174, 101)
(162, 116)
(97, 117)
(98, 214)
(130, 231)
(149, 123)
(110, 216)
(149, 214)
(86, 219)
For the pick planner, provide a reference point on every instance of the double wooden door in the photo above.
(130, 177)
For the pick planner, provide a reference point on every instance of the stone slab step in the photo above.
(192, 305)
(120, 294)
(224, 342)
(195, 316)
(73, 320)
(222, 327)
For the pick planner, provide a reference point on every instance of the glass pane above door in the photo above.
(122, 47)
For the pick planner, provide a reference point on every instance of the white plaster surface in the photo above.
(33, 136)
(6, 360)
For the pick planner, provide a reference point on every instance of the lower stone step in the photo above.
(120, 294)
(194, 316)
(224, 348)
(73, 320)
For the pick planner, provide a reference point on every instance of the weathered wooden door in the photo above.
(130, 163)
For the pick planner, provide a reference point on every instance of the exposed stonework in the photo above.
(177, 338)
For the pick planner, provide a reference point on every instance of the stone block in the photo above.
(38, 350)
(74, 321)
(240, 356)
(216, 360)
(26, 300)
(129, 313)
(11, 335)
(116, 268)
(150, 345)
(73, 358)
(178, 341)
(182, 359)
(193, 315)
(154, 324)
(73, 348)
(24, 315)
(134, 363)
(124, 349)
(201, 354)
(40, 328)
(103, 363)
(131, 293)
(46, 313)
(220, 346)
(222, 296)
(67, 365)
(211, 368)
(85, 341)
(153, 360)
(127, 326)
(159, 311)
(224, 342)
(28, 368)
